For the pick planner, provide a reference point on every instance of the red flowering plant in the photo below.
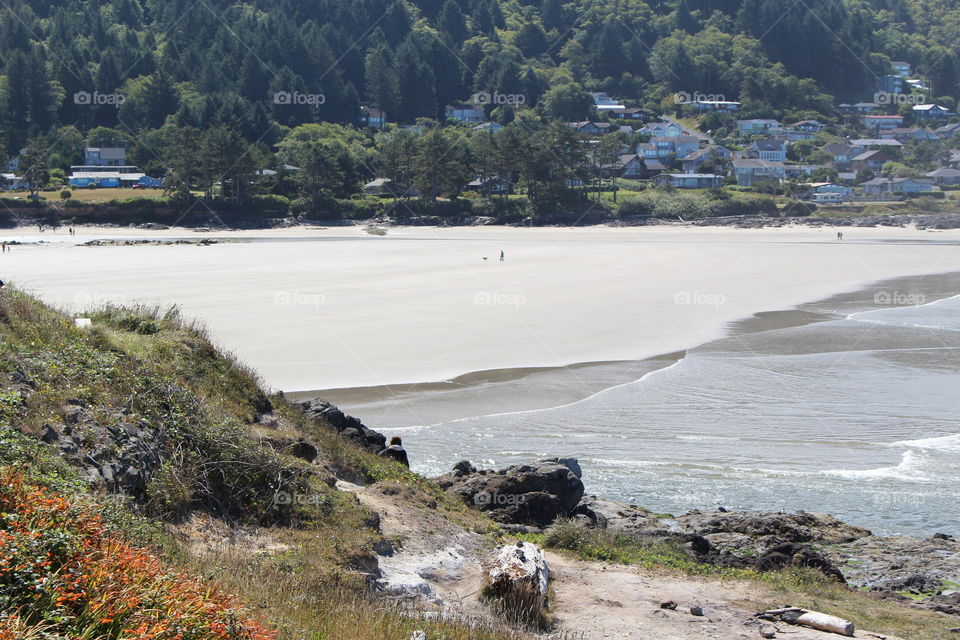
(60, 572)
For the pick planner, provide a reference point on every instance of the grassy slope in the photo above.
(145, 367)
(139, 365)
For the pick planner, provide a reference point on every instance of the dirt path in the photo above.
(437, 564)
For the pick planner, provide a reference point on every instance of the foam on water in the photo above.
(913, 467)
(942, 315)
(949, 444)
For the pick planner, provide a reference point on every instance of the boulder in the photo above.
(347, 426)
(520, 494)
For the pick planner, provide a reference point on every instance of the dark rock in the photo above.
(942, 536)
(49, 434)
(696, 611)
(464, 467)
(669, 604)
(304, 450)
(570, 463)
(521, 494)
(797, 555)
(347, 426)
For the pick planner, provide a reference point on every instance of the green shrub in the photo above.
(269, 202)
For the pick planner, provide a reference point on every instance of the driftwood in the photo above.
(517, 579)
(813, 619)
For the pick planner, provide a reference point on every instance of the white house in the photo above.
(758, 125)
(464, 112)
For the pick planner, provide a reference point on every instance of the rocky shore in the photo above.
(527, 498)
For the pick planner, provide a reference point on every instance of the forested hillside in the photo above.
(205, 94)
(203, 63)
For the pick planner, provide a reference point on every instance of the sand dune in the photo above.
(326, 308)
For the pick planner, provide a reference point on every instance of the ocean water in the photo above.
(849, 406)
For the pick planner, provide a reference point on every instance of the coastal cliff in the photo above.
(139, 427)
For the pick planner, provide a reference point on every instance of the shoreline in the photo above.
(613, 373)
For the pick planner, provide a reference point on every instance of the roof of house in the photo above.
(808, 122)
(768, 145)
(876, 142)
(753, 162)
(837, 147)
(694, 175)
(884, 117)
(944, 172)
(867, 155)
(929, 107)
(654, 165)
(706, 151)
(109, 153)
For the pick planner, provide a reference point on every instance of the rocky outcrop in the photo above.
(759, 531)
(121, 457)
(602, 513)
(346, 426)
(533, 495)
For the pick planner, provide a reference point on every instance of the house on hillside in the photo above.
(879, 186)
(660, 148)
(874, 160)
(603, 102)
(689, 180)
(906, 134)
(693, 162)
(931, 112)
(882, 123)
(492, 186)
(944, 176)
(889, 84)
(947, 131)
(463, 112)
(863, 144)
(758, 125)
(751, 172)
(490, 127)
(860, 107)
(769, 150)
(632, 167)
(588, 128)
(810, 126)
(798, 170)
(631, 113)
(901, 68)
(661, 130)
(842, 155)
(105, 156)
(373, 117)
(706, 106)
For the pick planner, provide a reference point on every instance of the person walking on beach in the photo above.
(501, 255)
(396, 452)
(4, 248)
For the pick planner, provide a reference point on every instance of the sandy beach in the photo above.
(338, 307)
